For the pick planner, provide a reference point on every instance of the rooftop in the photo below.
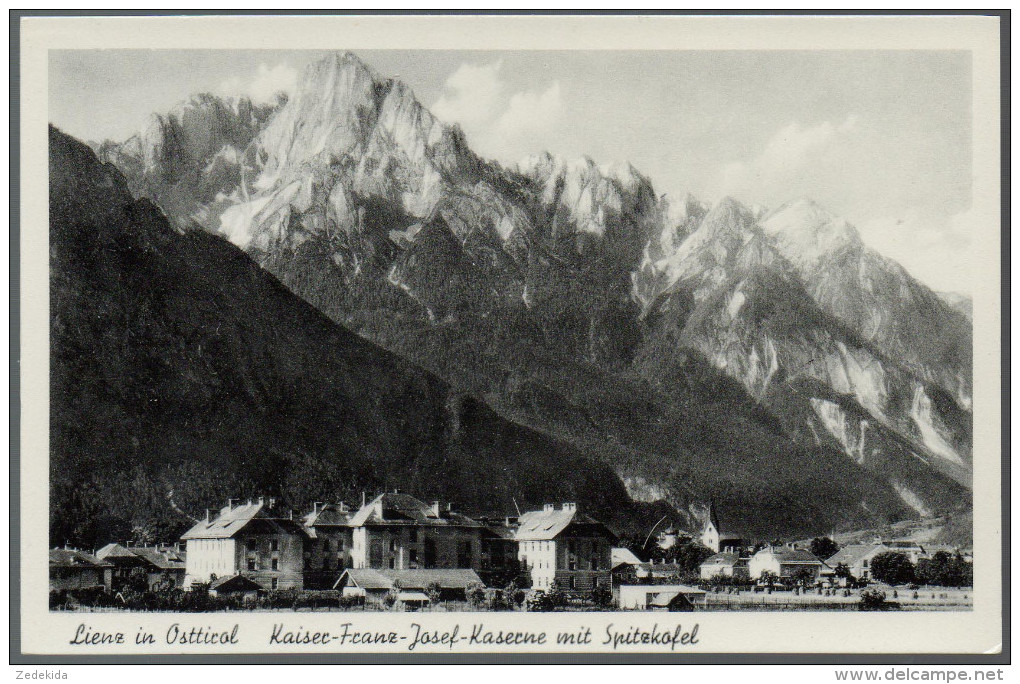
(369, 578)
(394, 508)
(257, 516)
(73, 558)
(854, 553)
(549, 522)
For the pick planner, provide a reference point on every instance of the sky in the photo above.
(882, 138)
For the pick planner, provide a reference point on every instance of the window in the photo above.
(415, 535)
(274, 544)
(393, 544)
(464, 556)
(275, 583)
(393, 563)
(275, 564)
(251, 564)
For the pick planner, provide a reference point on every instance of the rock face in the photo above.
(182, 374)
(189, 160)
(768, 361)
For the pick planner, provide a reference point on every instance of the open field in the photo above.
(930, 599)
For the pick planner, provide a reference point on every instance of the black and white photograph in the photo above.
(339, 334)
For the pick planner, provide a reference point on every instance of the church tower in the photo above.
(711, 534)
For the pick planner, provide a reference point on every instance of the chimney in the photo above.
(315, 506)
(230, 503)
(571, 506)
(208, 518)
(435, 508)
(272, 502)
(396, 490)
(362, 498)
(548, 508)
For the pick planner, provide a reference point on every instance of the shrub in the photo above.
(347, 602)
(873, 599)
(601, 596)
(390, 599)
(475, 593)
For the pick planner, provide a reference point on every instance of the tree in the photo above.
(892, 567)
(434, 590)
(824, 547)
(804, 577)
(689, 555)
(842, 571)
(945, 570)
(768, 578)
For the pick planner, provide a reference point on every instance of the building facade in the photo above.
(499, 564)
(157, 564)
(785, 563)
(398, 532)
(563, 549)
(857, 558)
(726, 565)
(73, 569)
(254, 540)
(713, 537)
(329, 544)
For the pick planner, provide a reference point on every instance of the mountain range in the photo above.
(767, 360)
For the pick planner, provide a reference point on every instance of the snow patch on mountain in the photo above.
(912, 499)
(931, 433)
(850, 433)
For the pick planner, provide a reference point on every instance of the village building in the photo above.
(407, 586)
(252, 539)
(785, 562)
(663, 596)
(713, 537)
(236, 586)
(725, 564)
(564, 548)
(74, 569)
(857, 558)
(157, 564)
(621, 555)
(398, 532)
(908, 547)
(329, 544)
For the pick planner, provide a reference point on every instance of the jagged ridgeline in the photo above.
(766, 360)
(183, 373)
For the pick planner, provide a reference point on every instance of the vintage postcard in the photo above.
(412, 335)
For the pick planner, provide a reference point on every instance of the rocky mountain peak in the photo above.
(808, 234)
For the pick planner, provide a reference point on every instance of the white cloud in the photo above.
(793, 150)
(531, 112)
(471, 95)
(934, 249)
(264, 84)
(498, 121)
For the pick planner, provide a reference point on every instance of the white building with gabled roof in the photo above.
(562, 548)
